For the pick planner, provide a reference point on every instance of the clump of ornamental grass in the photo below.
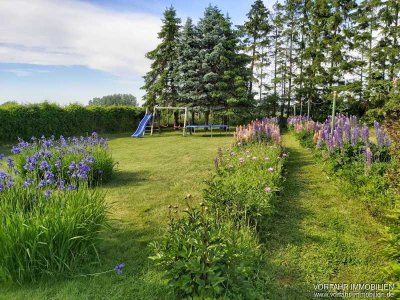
(49, 217)
(46, 232)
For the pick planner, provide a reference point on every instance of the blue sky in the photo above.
(71, 51)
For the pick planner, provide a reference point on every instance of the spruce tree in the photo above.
(222, 73)
(187, 65)
(160, 83)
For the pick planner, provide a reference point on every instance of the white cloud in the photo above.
(25, 72)
(68, 32)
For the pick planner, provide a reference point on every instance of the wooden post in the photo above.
(333, 111)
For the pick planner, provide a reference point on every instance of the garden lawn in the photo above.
(152, 173)
(319, 234)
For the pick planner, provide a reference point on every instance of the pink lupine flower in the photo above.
(241, 160)
(267, 189)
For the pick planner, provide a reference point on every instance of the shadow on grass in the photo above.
(284, 231)
(121, 243)
(127, 178)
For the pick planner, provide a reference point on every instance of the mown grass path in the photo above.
(318, 234)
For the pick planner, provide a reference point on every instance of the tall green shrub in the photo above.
(48, 119)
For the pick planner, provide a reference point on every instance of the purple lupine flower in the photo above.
(2, 156)
(47, 194)
(241, 160)
(118, 268)
(368, 156)
(347, 131)
(71, 187)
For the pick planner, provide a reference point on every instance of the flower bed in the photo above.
(50, 218)
(214, 250)
(69, 158)
(349, 153)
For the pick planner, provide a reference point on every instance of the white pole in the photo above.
(184, 122)
(152, 121)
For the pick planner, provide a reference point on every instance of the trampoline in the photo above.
(192, 128)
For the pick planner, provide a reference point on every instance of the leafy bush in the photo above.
(207, 257)
(25, 121)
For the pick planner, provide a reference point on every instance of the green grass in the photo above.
(318, 234)
(152, 173)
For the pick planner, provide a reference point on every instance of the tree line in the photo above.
(290, 58)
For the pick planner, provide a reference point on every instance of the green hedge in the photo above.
(47, 119)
